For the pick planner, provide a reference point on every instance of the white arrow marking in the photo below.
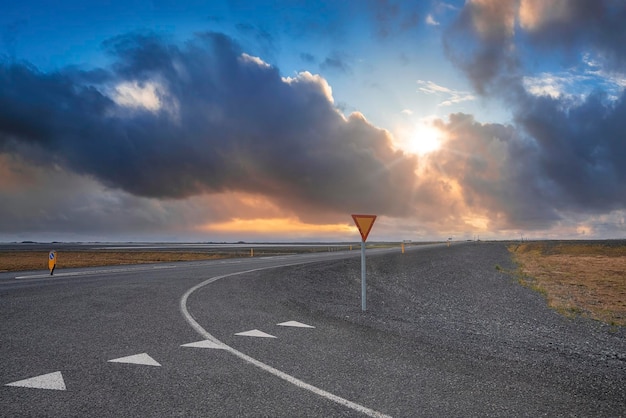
(142, 358)
(204, 344)
(295, 324)
(52, 381)
(255, 333)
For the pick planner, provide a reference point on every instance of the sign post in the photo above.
(364, 223)
(52, 261)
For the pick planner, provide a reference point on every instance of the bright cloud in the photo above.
(430, 20)
(451, 96)
(256, 60)
(138, 95)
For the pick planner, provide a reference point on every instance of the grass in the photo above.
(577, 278)
(22, 260)
(36, 260)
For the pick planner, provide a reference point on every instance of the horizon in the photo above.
(314, 243)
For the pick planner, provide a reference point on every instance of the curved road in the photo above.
(446, 334)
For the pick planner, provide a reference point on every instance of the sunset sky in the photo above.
(169, 120)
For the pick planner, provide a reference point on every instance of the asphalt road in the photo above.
(445, 334)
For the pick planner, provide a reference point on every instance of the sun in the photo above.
(423, 139)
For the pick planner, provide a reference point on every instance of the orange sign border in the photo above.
(357, 219)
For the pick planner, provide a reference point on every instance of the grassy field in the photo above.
(36, 260)
(22, 260)
(577, 278)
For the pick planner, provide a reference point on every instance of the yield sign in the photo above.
(364, 223)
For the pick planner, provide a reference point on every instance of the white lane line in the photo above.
(90, 272)
(282, 375)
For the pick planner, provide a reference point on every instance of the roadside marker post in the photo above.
(364, 224)
(52, 261)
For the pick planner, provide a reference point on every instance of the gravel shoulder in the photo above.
(449, 335)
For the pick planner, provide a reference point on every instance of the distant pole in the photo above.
(363, 279)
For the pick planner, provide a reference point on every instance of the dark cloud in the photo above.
(479, 42)
(580, 149)
(170, 121)
(493, 41)
(561, 155)
(597, 25)
(49, 198)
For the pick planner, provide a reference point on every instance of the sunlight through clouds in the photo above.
(422, 138)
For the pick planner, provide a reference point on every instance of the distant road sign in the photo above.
(364, 223)
(52, 261)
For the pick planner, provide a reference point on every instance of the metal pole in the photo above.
(363, 280)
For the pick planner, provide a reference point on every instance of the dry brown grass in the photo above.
(577, 278)
(35, 260)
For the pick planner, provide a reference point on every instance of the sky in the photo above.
(198, 121)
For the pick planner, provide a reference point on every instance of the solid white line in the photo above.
(294, 381)
(90, 272)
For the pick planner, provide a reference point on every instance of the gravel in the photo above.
(458, 308)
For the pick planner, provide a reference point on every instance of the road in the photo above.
(446, 334)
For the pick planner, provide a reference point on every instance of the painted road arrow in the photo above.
(53, 381)
(255, 333)
(143, 359)
(295, 324)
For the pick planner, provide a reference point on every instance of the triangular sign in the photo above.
(52, 381)
(364, 223)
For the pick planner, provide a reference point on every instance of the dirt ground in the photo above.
(586, 279)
